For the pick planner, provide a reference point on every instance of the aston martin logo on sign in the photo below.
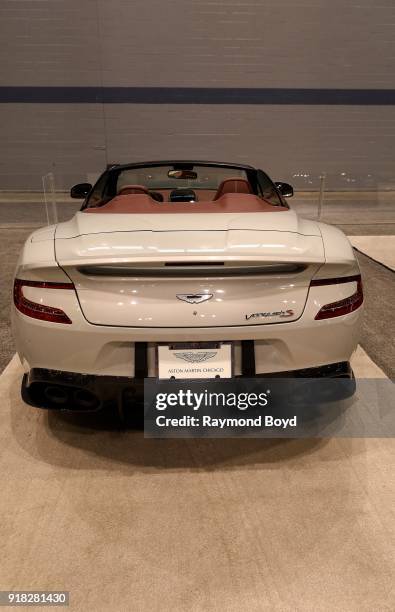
(188, 361)
(195, 357)
(194, 298)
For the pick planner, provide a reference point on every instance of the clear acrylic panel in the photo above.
(59, 206)
(346, 203)
(50, 202)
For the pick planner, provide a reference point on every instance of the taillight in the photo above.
(36, 310)
(342, 307)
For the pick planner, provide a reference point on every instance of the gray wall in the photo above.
(211, 43)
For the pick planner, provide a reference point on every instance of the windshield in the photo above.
(157, 177)
(182, 182)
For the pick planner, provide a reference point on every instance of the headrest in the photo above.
(132, 189)
(233, 185)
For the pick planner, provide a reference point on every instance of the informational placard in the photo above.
(195, 363)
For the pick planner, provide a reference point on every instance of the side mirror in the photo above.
(285, 189)
(80, 191)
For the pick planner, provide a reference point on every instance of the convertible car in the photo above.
(181, 269)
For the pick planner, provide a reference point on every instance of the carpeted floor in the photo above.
(379, 248)
(128, 523)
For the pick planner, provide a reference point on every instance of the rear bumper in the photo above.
(54, 389)
(110, 351)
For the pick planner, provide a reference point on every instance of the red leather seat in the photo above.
(233, 185)
(143, 205)
(133, 190)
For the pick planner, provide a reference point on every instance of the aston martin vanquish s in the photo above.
(185, 270)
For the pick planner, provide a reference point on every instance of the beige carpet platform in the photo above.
(126, 523)
(379, 248)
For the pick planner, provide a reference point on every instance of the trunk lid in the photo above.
(193, 271)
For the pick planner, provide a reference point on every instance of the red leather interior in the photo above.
(143, 204)
(233, 185)
(133, 189)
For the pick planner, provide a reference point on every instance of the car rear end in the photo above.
(95, 313)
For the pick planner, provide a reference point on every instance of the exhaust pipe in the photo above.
(50, 395)
(56, 395)
(72, 399)
(84, 400)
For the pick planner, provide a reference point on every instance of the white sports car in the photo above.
(181, 269)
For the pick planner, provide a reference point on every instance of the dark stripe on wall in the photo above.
(195, 95)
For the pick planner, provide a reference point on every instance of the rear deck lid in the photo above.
(235, 270)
